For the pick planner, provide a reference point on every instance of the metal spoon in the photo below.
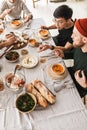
(17, 67)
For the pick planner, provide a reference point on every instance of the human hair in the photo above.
(63, 11)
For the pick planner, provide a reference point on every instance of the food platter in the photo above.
(43, 95)
(29, 61)
(21, 42)
(19, 45)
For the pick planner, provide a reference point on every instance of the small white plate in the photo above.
(29, 61)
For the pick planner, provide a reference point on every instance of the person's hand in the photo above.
(81, 79)
(59, 52)
(43, 47)
(44, 27)
(10, 41)
(27, 18)
(7, 11)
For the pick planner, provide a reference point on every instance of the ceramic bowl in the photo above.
(12, 56)
(15, 82)
(26, 102)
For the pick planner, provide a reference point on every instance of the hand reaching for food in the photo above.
(11, 40)
(59, 52)
(43, 47)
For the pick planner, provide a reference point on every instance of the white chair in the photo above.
(34, 1)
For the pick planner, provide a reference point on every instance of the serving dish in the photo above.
(15, 82)
(29, 61)
(26, 102)
(44, 34)
(33, 42)
(16, 24)
(54, 73)
(12, 56)
(57, 69)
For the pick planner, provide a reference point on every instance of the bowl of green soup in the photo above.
(26, 102)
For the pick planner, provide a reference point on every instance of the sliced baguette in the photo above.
(40, 99)
(45, 92)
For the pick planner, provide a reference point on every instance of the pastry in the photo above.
(41, 100)
(45, 92)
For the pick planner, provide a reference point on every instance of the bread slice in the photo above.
(45, 92)
(40, 99)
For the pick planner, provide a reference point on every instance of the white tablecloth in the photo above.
(68, 113)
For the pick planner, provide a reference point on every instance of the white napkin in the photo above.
(46, 53)
(2, 50)
(4, 98)
(56, 84)
(14, 120)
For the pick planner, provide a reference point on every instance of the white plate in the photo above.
(29, 61)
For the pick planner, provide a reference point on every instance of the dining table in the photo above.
(67, 113)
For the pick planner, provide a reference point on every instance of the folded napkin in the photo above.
(46, 53)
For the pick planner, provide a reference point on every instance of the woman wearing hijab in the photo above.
(12, 9)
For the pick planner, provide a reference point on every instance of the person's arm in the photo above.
(4, 9)
(8, 42)
(27, 13)
(81, 78)
(57, 52)
(4, 13)
(49, 27)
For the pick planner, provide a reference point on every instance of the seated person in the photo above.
(64, 23)
(79, 37)
(12, 9)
